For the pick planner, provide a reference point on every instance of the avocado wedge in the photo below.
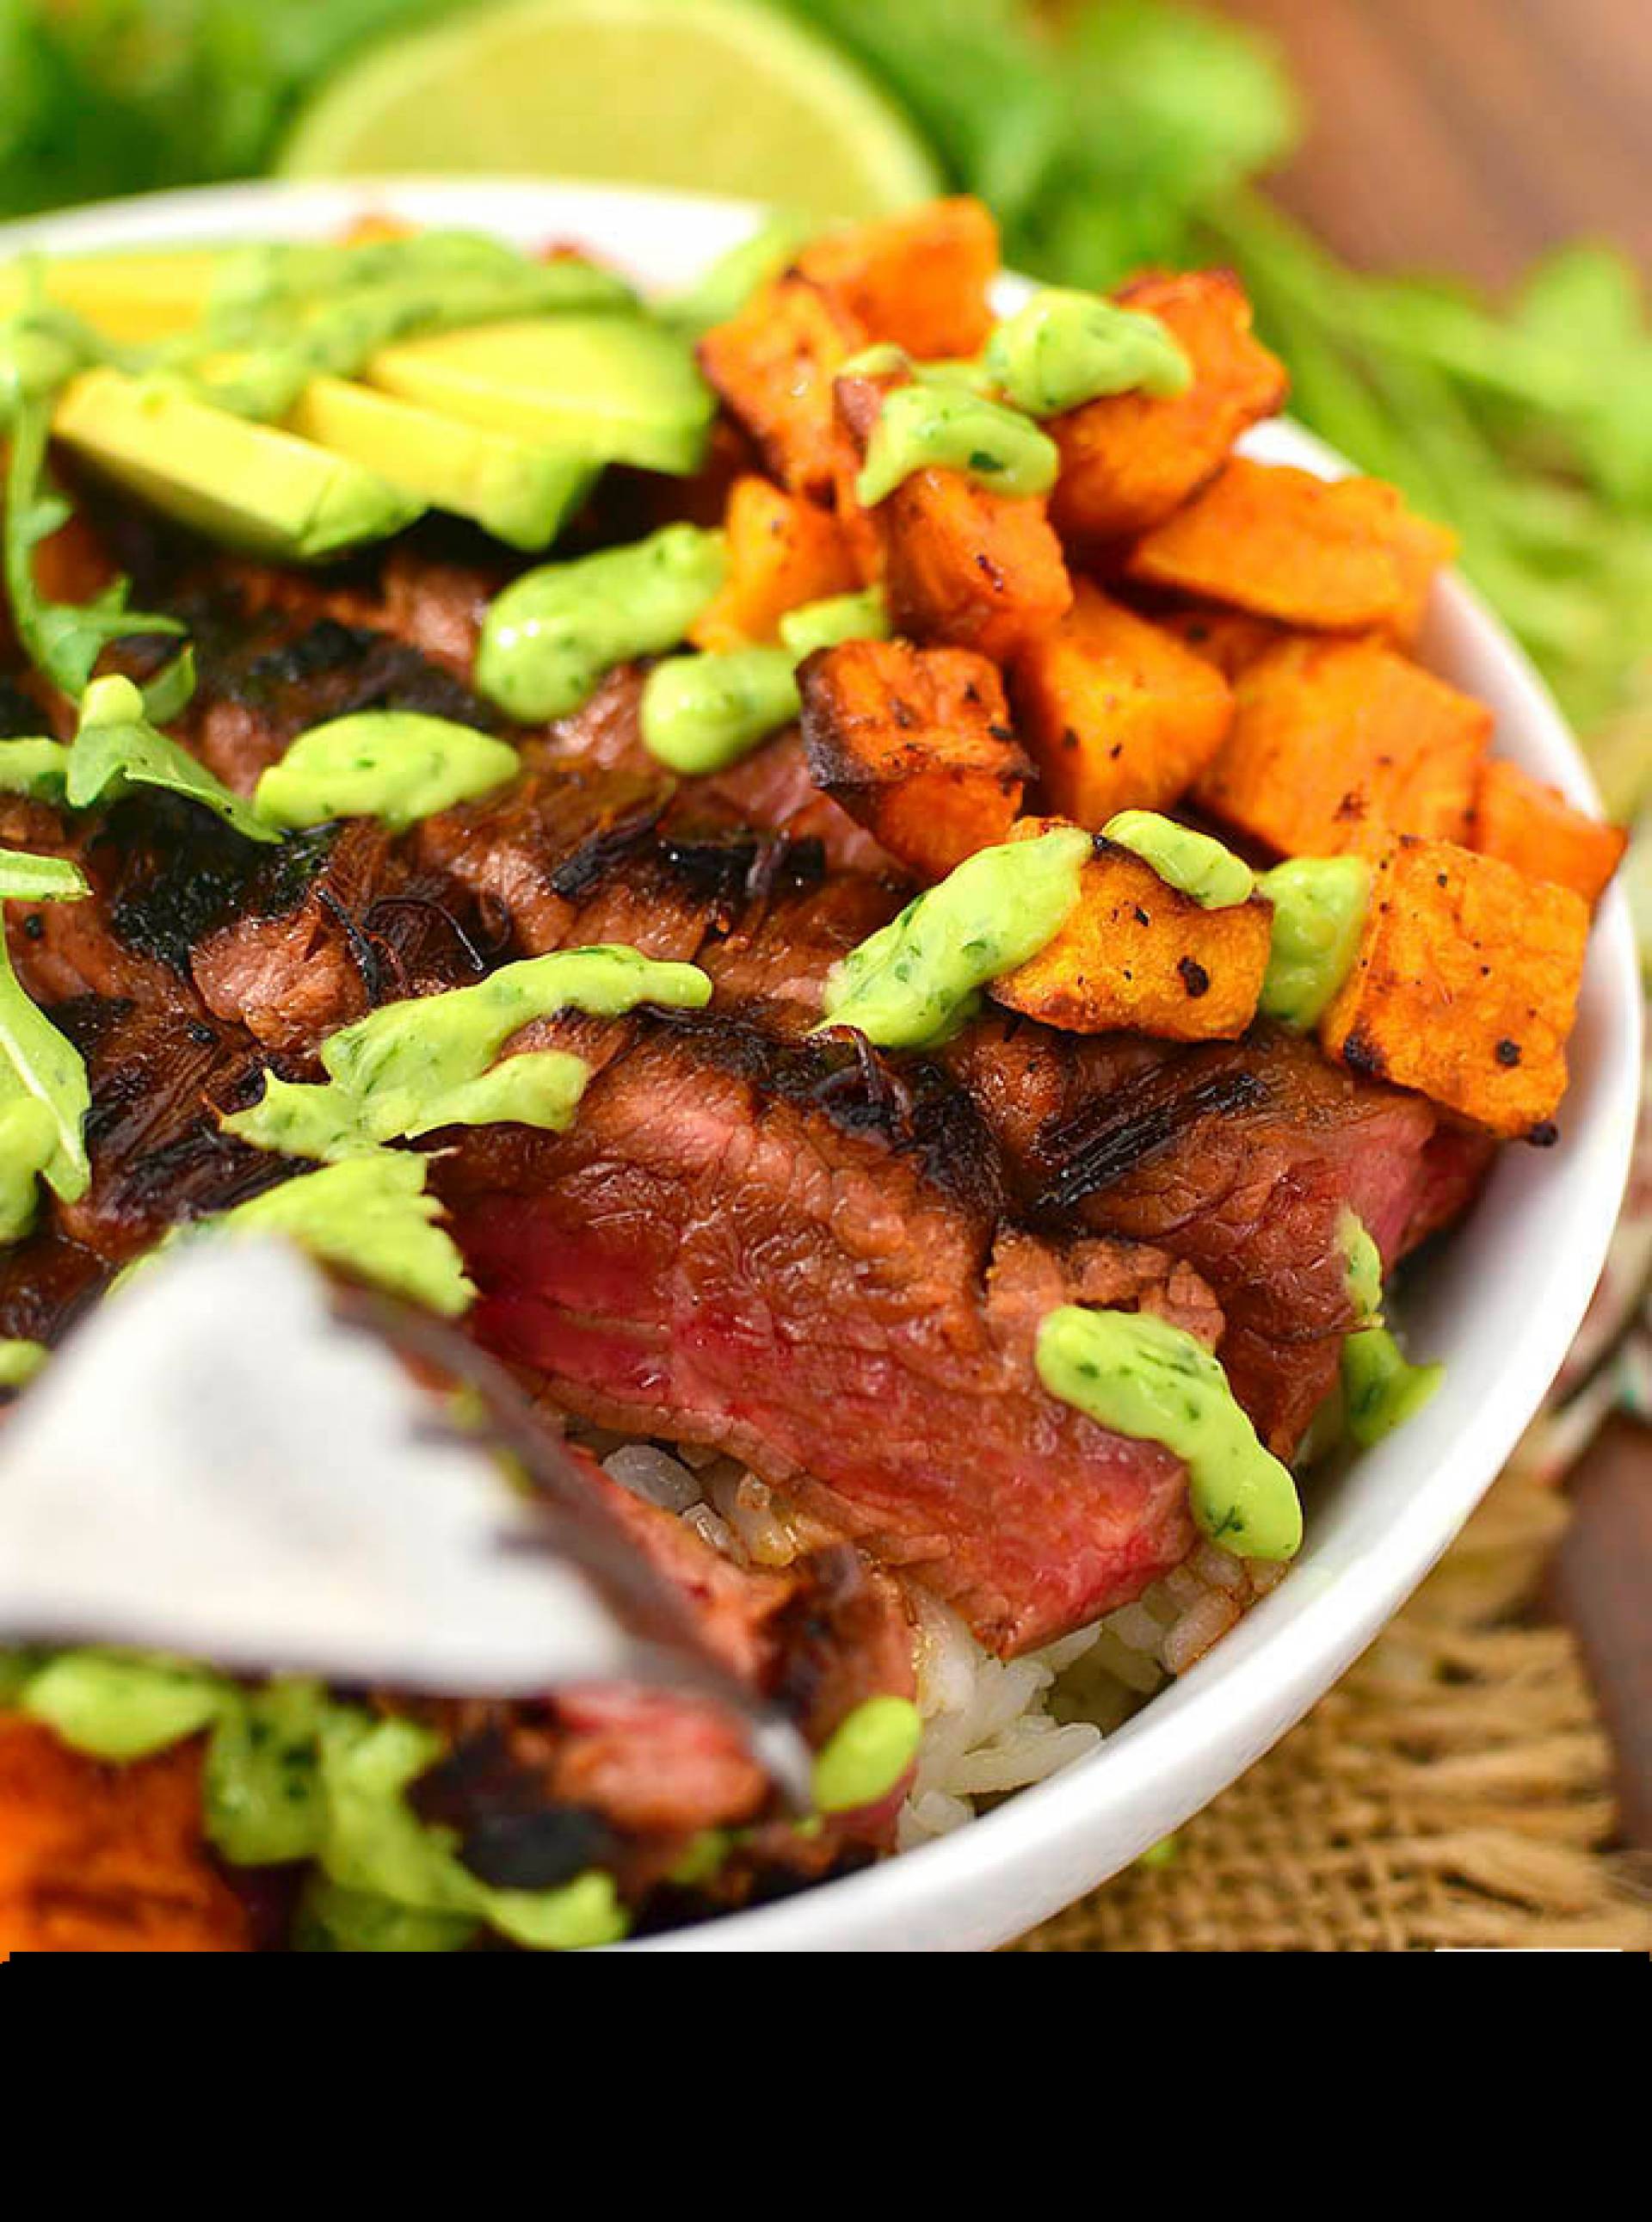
(616, 386)
(257, 489)
(128, 295)
(521, 494)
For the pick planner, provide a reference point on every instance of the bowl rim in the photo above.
(1046, 1845)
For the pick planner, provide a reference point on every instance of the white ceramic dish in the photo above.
(1500, 1304)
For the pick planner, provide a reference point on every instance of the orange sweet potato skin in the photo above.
(1464, 987)
(915, 744)
(784, 550)
(1331, 556)
(1118, 713)
(1140, 955)
(919, 280)
(1231, 639)
(102, 1859)
(968, 567)
(773, 366)
(1339, 744)
(1536, 830)
(1130, 460)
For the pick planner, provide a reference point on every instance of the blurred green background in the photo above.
(1106, 135)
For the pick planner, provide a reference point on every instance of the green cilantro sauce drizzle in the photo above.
(1381, 1388)
(1198, 865)
(914, 982)
(393, 765)
(943, 424)
(1139, 1376)
(1319, 912)
(551, 638)
(412, 1067)
(1065, 349)
(702, 713)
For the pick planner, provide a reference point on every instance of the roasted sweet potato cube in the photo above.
(1130, 460)
(784, 550)
(969, 567)
(1139, 954)
(100, 1859)
(1536, 830)
(773, 365)
(1466, 986)
(1231, 639)
(920, 280)
(1339, 743)
(1332, 556)
(1118, 714)
(915, 744)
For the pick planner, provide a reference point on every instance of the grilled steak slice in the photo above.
(796, 1254)
(157, 1158)
(1242, 1159)
(332, 924)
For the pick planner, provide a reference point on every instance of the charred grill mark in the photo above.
(423, 912)
(1112, 1138)
(917, 1110)
(608, 847)
(513, 1835)
(381, 968)
(179, 873)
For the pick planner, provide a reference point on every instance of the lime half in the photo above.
(709, 95)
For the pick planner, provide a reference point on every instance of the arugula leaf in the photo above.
(116, 749)
(44, 1095)
(62, 639)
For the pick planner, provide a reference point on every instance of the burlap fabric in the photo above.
(1454, 1790)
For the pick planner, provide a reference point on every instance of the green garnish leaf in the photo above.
(38, 768)
(62, 639)
(44, 1095)
(117, 749)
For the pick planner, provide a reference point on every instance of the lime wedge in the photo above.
(711, 96)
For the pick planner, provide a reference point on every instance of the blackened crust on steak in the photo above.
(911, 1109)
(1107, 1140)
(158, 1077)
(747, 1243)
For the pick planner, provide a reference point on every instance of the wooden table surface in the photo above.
(1468, 135)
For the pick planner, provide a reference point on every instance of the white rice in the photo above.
(990, 1726)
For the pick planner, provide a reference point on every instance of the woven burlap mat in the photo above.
(1454, 1790)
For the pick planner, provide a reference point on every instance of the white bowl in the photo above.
(1500, 1304)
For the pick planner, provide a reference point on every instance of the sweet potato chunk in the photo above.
(1130, 460)
(1333, 556)
(1536, 830)
(1118, 713)
(1228, 638)
(103, 1859)
(920, 280)
(784, 550)
(969, 567)
(773, 365)
(1339, 742)
(1139, 954)
(915, 744)
(1464, 987)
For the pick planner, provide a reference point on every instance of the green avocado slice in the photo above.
(521, 494)
(615, 386)
(238, 482)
